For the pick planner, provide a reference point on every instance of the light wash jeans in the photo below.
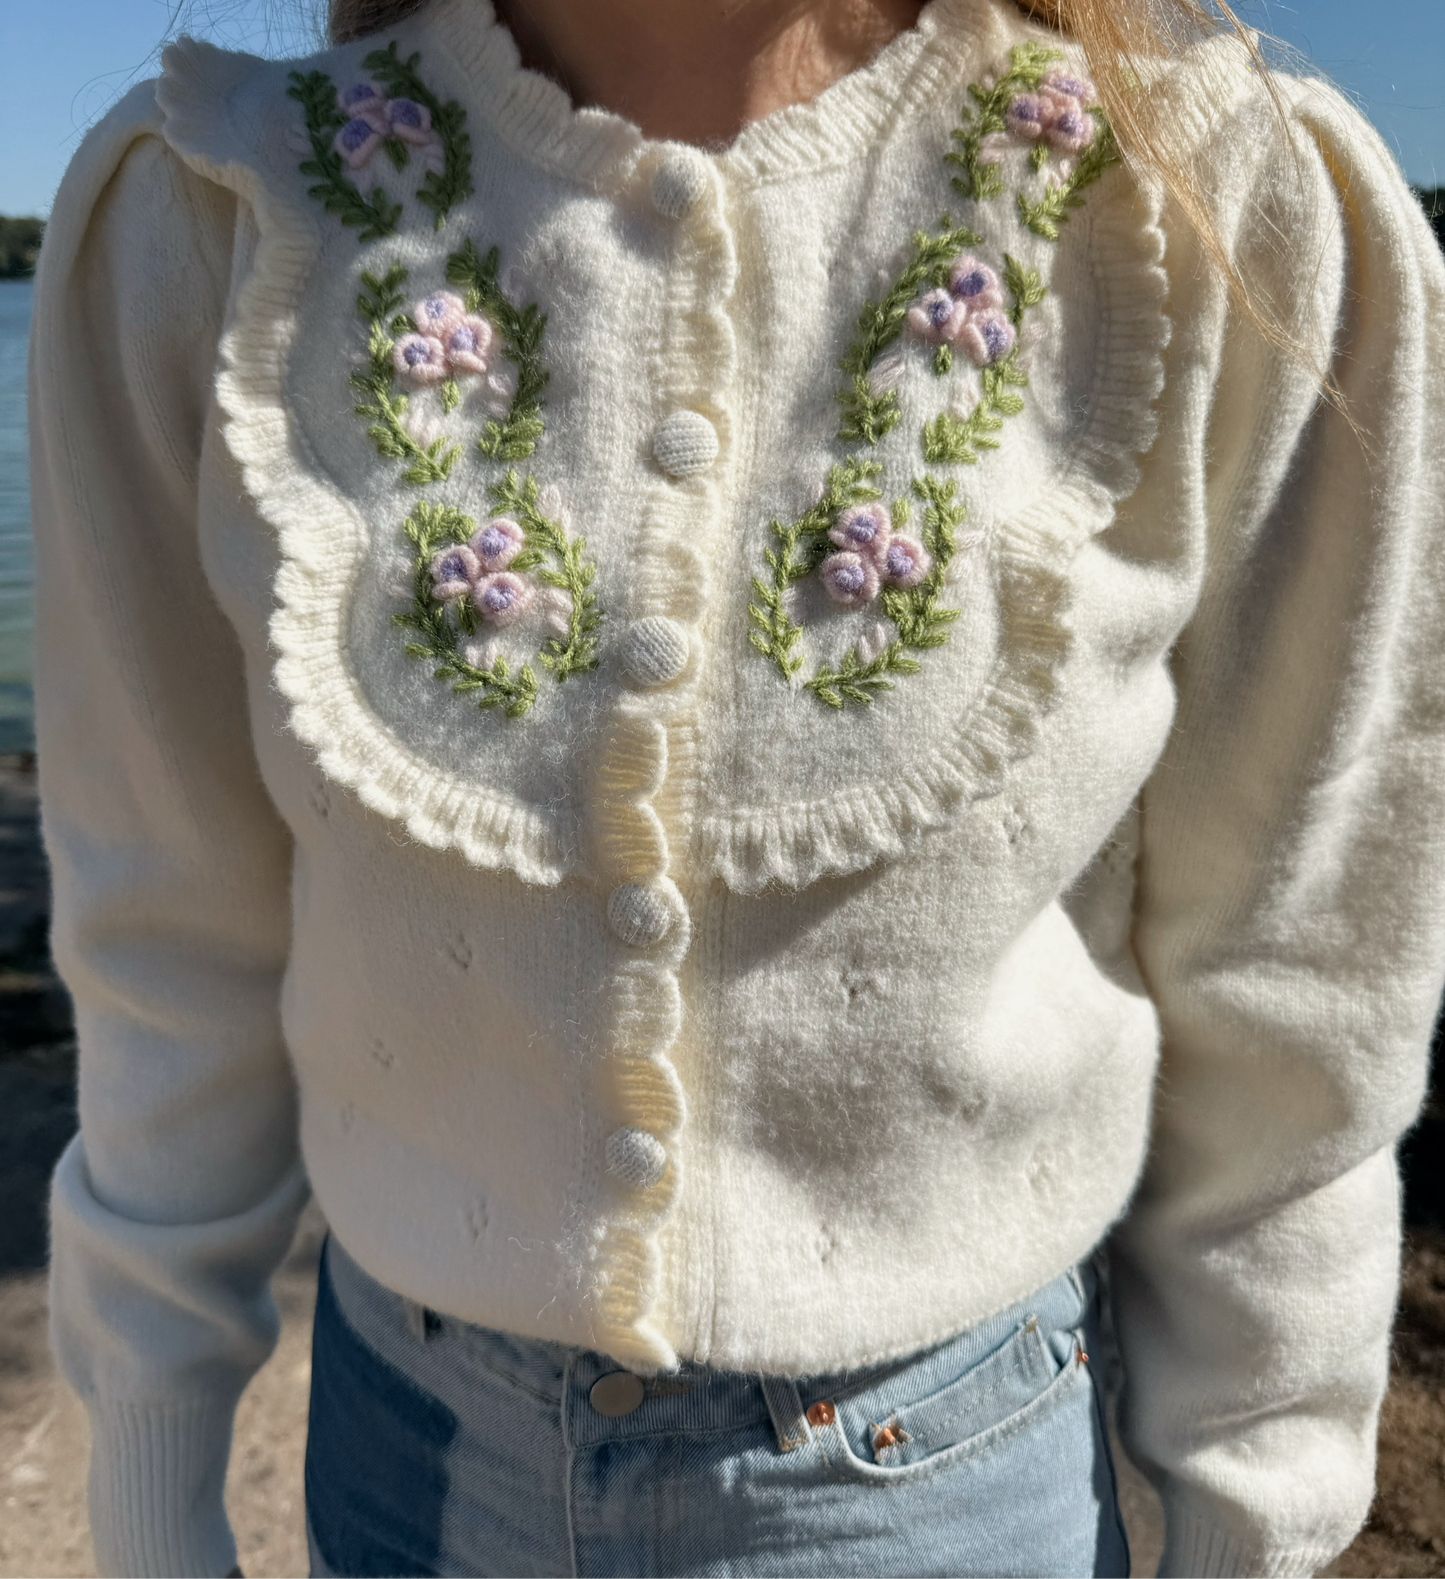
(438, 1447)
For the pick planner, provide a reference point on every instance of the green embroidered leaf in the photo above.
(373, 218)
(1025, 286)
(441, 190)
(521, 328)
(802, 546)
(870, 413)
(1028, 63)
(1052, 210)
(566, 568)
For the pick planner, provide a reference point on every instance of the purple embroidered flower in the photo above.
(987, 337)
(420, 359)
(865, 528)
(1025, 116)
(936, 318)
(1070, 86)
(1071, 128)
(361, 96)
(359, 139)
(438, 313)
(496, 544)
(410, 121)
(502, 598)
(974, 284)
(454, 572)
(906, 562)
(467, 344)
(850, 579)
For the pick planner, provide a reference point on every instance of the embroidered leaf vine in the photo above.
(801, 547)
(1052, 210)
(951, 439)
(916, 613)
(1028, 63)
(440, 190)
(869, 413)
(431, 528)
(316, 93)
(515, 437)
(377, 303)
(568, 570)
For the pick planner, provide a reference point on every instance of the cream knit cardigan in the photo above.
(780, 1003)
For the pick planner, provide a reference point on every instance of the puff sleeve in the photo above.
(171, 866)
(1288, 919)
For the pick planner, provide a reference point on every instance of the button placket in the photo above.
(638, 819)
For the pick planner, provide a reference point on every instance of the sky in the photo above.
(67, 61)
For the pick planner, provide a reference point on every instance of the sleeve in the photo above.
(1290, 892)
(178, 1198)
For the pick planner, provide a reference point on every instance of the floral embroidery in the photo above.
(464, 574)
(465, 579)
(1038, 103)
(949, 300)
(396, 114)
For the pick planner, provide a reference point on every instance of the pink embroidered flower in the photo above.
(906, 562)
(937, 318)
(497, 543)
(361, 96)
(438, 313)
(359, 139)
(865, 529)
(420, 359)
(1065, 85)
(467, 344)
(1025, 116)
(850, 579)
(1057, 113)
(974, 284)
(410, 121)
(502, 598)
(454, 572)
(987, 337)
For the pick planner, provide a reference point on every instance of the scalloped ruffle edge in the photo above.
(320, 535)
(796, 844)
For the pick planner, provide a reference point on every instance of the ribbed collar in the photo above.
(533, 115)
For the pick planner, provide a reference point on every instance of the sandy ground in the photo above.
(44, 1438)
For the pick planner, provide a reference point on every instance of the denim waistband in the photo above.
(694, 1398)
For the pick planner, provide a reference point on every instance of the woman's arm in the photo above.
(171, 867)
(1290, 917)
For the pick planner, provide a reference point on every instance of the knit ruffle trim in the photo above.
(320, 533)
(798, 842)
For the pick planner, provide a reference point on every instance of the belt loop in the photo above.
(786, 1410)
(416, 1323)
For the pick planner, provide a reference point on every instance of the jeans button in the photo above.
(616, 1394)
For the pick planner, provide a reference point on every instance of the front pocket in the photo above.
(886, 1434)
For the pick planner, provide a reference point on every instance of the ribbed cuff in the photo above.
(1194, 1548)
(157, 1488)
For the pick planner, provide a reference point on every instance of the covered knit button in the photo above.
(636, 1156)
(680, 180)
(685, 443)
(616, 1394)
(638, 914)
(654, 650)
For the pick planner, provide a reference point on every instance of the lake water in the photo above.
(17, 570)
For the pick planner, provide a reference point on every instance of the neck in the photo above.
(700, 70)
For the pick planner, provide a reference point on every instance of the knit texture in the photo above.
(687, 1002)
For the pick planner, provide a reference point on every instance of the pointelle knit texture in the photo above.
(738, 756)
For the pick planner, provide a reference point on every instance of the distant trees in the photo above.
(19, 247)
